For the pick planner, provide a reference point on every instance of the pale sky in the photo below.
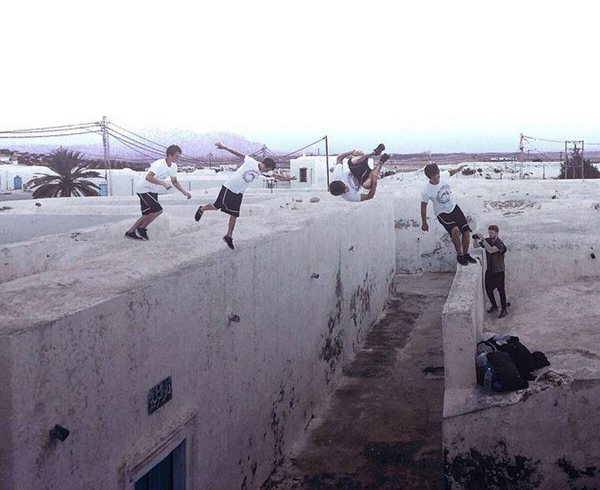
(419, 75)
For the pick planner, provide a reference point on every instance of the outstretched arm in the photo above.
(282, 177)
(456, 170)
(221, 146)
(341, 156)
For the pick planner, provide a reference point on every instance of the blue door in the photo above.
(18, 181)
(169, 474)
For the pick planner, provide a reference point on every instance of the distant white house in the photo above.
(311, 171)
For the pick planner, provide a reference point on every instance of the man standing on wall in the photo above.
(229, 200)
(494, 274)
(148, 188)
(347, 179)
(447, 211)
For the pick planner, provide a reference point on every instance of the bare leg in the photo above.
(137, 224)
(232, 220)
(456, 240)
(144, 221)
(207, 207)
(466, 238)
(150, 218)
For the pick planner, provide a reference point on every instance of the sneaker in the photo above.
(132, 235)
(229, 241)
(492, 309)
(470, 259)
(383, 158)
(379, 150)
(143, 232)
(199, 213)
(461, 260)
(503, 313)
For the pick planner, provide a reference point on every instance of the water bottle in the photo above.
(487, 380)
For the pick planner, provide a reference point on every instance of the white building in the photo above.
(311, 171)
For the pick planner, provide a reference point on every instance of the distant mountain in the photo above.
(192, 143)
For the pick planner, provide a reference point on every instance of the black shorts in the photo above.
(149, 202)
(454, 219)
(361, 170)
(229, 202)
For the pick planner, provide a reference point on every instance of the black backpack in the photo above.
(506, 376)
(521, 356)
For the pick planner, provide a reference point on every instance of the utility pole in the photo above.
(327, 159)
(105, 144)
(521, 155)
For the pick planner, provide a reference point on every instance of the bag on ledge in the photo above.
(506, 375)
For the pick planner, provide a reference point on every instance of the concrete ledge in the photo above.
(462, 323)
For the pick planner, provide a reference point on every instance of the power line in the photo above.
(45, 135)
(64, 127)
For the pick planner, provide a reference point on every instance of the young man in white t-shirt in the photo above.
(347, 178)
(148, 188)
(447, 211)
(229, 200)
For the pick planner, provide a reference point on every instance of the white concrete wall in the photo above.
(462, 324)
(420, 252)
(250, 387)
(547, 441)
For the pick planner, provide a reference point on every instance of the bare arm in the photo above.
(177, 186)
(456, 170)
(483, 243)
(151, 178)
(221, 146)
(341, 156)
(282, 177)
(371, 193)
(424, 225)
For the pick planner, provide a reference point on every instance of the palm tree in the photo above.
(70, 179)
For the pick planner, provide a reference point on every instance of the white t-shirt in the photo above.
(243, 176)
(161, 171)
(439, 194)
(342, 173)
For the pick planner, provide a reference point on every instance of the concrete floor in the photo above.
(560, 320)
(381, 428)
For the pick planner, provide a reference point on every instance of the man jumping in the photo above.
(148, 188)
(447, 211)
(229, 200)
(347, 178)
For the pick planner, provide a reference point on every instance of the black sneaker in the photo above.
(383, 158)
(199, 213)
(492, 309)
(503, 313)
(461, 260)
(379, 150)
(470, 259)
(132, 235)
(229, 241)
(143, 232)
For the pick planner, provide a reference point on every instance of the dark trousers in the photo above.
(495, 281)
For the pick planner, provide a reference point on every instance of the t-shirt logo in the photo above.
(444, 194)
(249, 175)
